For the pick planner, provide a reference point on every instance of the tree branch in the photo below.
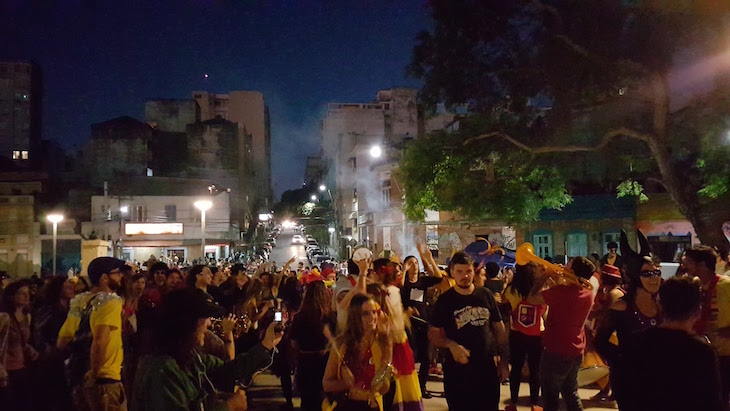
(623, 131)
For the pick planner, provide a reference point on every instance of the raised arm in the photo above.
(428, 262)
(360, 286)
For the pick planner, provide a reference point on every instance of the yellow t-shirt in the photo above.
(107, 310)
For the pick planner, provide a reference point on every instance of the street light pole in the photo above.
(203, 206)
(55, 219)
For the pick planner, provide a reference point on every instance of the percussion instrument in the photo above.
(526, 254)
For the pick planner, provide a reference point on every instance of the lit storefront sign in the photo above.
(153, 228)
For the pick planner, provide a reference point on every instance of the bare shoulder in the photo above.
(616, 301)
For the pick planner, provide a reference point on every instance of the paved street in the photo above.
(265, 394)
(284, 250)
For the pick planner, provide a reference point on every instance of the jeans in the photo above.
(419, 344)
(523, 347)
(559, 375)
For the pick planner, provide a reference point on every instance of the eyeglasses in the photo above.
(652, 273)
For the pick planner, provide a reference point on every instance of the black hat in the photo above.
(191, 303)
(634, 260)
(102, 265)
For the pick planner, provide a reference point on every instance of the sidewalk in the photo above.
(265, 394)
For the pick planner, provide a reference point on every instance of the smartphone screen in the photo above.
(277, 316)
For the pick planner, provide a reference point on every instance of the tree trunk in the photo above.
(706, 215)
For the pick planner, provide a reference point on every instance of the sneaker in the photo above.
(511, 407)
(536, 408)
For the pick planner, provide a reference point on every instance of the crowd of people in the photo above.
(369, 336)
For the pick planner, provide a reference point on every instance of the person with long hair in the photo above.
(130, 342)
(633, 310)
(179, 376)
(310, 343)
(362, 352)
(525, 335)
(16, 352)
(48, 318)
(254, 309)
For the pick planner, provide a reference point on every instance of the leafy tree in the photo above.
(569, 96)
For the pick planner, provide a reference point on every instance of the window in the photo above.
(16, 154)
(24, 154)
(385, 185)
(139, 213)
(607, 237)
(543, 245)
(577, 244)
(171, 212)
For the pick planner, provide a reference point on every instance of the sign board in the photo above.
(152, 228)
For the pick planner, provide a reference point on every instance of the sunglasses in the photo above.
(652, 273)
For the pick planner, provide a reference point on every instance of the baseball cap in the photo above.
(102, 265)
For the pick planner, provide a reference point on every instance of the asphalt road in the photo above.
(284, 250)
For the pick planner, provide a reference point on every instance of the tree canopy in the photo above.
(572, 97)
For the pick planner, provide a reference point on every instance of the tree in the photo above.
(567, 97)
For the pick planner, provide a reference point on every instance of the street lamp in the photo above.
(55, 219)
(322, 187)
(314, 197)
(376, 151)
(203, 206)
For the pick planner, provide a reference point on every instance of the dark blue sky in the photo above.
(102, 59)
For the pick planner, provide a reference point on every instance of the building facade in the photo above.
(249, 111)
(167, 227)
(21, 101)
(171, 115)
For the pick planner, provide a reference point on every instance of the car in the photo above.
(322, 258)
(297, 239)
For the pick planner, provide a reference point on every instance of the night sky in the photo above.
(101, 60)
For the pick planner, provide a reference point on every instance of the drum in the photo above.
(592, 369)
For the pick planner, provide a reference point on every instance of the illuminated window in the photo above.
(24, 154)
(16, 155)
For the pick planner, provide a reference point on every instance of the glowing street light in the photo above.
(203, 206)
(375, 151)
(313, 197)
(331, 230)
(322, 187)
(55, 219)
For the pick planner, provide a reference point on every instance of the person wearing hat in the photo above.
(179, 376)
(613, 258)
(101, 387)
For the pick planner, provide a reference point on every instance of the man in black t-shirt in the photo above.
(466, 320)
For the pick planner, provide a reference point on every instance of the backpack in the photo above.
(78, 362)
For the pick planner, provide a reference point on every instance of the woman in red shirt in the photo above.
(525, 335)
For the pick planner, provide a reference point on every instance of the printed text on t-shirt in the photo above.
(476, 316)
